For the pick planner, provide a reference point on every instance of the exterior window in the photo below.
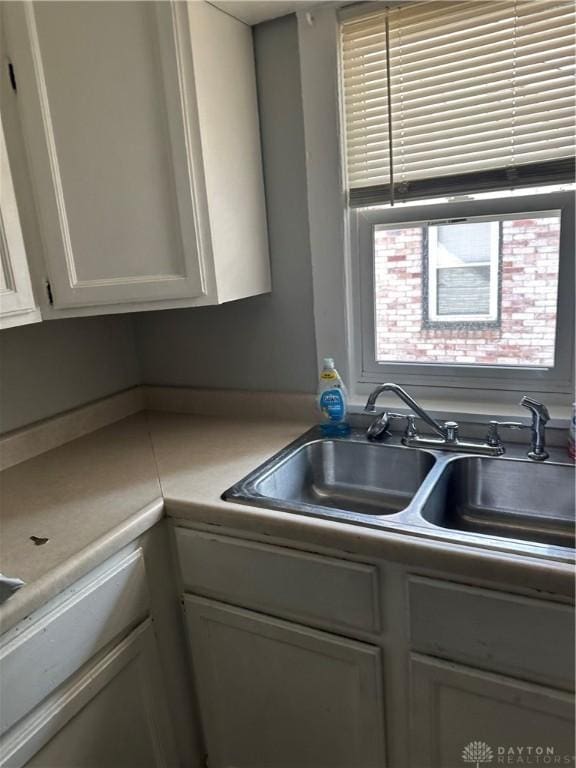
(463, 273)
(482, 292)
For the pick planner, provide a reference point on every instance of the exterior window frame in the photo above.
(430, 283)
(464, 376)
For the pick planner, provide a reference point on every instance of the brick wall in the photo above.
(528, 307)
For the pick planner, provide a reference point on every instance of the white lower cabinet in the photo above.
(437, 665)
(467, 716)
(274, 694)
(98, 676)
(112, 714)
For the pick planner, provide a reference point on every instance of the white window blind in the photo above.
(458, 96)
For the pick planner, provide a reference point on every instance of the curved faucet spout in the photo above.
(370, 407)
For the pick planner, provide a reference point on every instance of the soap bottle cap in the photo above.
(328, 362)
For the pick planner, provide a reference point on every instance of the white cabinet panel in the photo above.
(231, 151)
(492, 630)
(108, 148)
(279, 695)
(112, 714)
(453, 706)
(17, 306)
(36, 659)
(313, 589)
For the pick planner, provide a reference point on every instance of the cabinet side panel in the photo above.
(17, 305)
(225, 78)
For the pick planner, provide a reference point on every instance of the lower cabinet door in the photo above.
(462, 716)
(279, 695)
(110, 715)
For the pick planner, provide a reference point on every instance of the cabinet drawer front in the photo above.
(35, 662)
(519, 636)
(284, 582)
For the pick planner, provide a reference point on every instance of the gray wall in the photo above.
(266, 342)
(53, 366)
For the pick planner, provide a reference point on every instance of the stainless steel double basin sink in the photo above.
(513, 503)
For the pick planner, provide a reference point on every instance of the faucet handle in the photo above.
(378, 430)
(493, 437)
(536, 408)
(410, 426)
(452, 429)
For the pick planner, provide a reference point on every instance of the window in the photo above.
(482, 292)
(458, 138)
(462, 274)
(482, 298)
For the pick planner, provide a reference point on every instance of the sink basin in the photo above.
(506, 498)
(357, 477)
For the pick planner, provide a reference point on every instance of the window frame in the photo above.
(431, 317)
(463, 376)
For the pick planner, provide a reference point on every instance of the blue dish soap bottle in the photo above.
(332, 401)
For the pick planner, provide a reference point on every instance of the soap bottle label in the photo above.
(332, 404)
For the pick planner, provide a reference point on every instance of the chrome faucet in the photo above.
(448, 433)
(403, 395)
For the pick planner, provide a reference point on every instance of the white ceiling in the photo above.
(255, 11)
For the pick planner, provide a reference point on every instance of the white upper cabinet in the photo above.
(142, 137)
(17, 306)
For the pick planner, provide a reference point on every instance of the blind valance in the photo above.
(443, 98)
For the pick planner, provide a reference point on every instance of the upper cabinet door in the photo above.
(17, 305)
(108, 116)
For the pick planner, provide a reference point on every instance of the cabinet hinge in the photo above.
(49, 292)
(12, 76)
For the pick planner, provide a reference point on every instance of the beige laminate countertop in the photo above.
(88, 497)
(94, 495)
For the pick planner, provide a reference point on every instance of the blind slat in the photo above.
(499, 121)
(477, 155)
(470, 112)
(561, 59)
(472, 88)
(426, 142)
